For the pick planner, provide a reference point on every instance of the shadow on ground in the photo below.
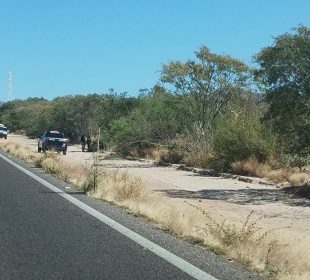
(289, 196)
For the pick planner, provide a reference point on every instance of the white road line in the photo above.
(147, 244)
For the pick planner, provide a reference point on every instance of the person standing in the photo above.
(88, 142)
(83, 142)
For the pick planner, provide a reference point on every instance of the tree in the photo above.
(156, 119)
(206, 85)
(81, 114)
(30, 116)
(284, 71)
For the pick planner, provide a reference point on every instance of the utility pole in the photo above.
(10, 87)
(98, 139)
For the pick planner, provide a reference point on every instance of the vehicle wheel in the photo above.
(64, 152)
(39, 149)
(5, 137)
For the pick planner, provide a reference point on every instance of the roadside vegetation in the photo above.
(212, 111)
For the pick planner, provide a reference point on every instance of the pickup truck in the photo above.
(3, 131)
(53, 140)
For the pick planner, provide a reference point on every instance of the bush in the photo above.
(195, 146)
(289, 160)
(238, 139)
(250, 167)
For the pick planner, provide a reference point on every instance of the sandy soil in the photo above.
(227, 198)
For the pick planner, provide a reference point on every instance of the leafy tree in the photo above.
(206, 85)
(80, 114)
(284, 71)
(156, 119)
(165, 114)
(30, 116)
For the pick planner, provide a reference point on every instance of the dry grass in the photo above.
(250, 167)
(18, 150)
(116, 186)
(264, 250)
(158, 153)
(299, 179)
(111, 185)
(278, 175)
(200, 159)
(173, 216)
(50, 163)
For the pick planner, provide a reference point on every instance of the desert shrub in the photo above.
(293, 160)
(238, 139)
(50, 162)
(278, 175)
(125, 186)
(250, 167)
(299, 179)
(127, 132)
(230, 235)
(114, 186)
(171, 156)
(94, 175)
(196, 150)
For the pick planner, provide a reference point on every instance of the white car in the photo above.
(3, 131)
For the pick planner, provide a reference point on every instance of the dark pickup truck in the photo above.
(53, 140)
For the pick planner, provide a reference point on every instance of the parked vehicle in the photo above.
(53, 140)
(3, 131)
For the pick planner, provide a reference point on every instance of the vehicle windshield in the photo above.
(54, 134)
(3, 128)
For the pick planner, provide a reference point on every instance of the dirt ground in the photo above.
(229, 198)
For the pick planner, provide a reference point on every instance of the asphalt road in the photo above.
(49, 230)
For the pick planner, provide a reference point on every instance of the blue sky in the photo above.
(62, 47)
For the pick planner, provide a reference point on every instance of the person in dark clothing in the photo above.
(83, 142)
(88, 142)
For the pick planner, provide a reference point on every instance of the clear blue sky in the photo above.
(61, 47)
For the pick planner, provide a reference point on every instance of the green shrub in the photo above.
(238, 139)
(293, 160)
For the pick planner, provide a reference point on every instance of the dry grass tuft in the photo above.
(125, 186)
(299, 179)
(279, 175)
(112, 185)
(158, 153)
(250, 167)
(116, 186)
(50, 162)
(200, 159)
(175, 216)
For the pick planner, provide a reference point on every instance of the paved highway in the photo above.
(49, 230)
